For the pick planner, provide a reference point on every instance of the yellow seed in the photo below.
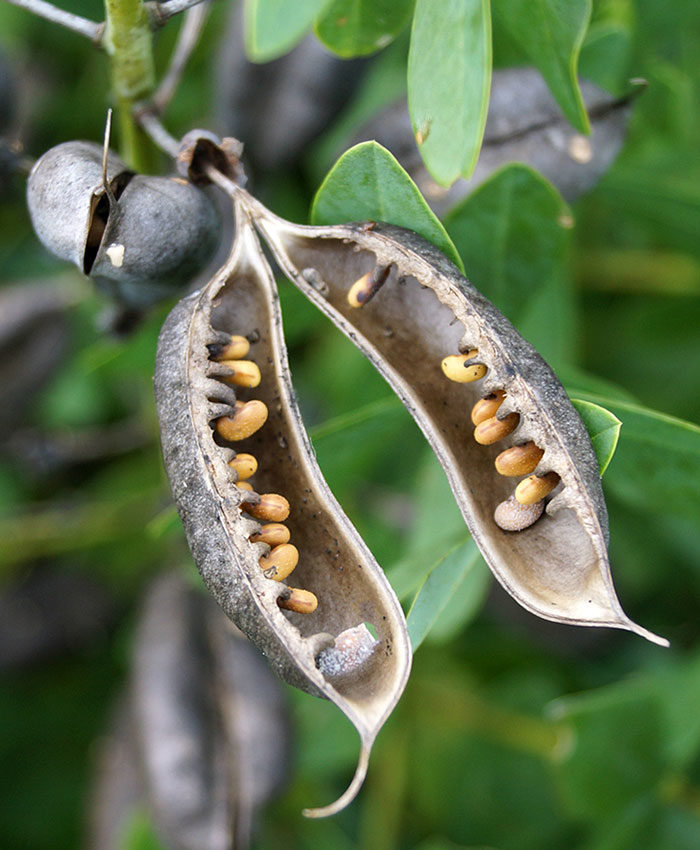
(519, 460)
(271, 507)
(512, 516)
(244, 485)
(492, 430)
(273, 533)
(367, 286)
(234, 350)
(456, 368)
(487, 406)
(247, 418)
(536, 487)
(301, 601)
(279, 562)
(245, 465)
(244, 373)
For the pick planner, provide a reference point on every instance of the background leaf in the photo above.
(513, 234)
(357, 27)
(272, 27)
(449, 78)
(551, 33)
(367, 183)
(603, 428)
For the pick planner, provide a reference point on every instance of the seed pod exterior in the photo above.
(335, 566)
(168, 229)
(63, 189)
(558, 567)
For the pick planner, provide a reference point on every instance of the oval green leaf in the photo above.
(273, 27)
(551, 33)
(368, 184)
(358, 27)
(449, 81)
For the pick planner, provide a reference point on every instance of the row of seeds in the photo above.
(271, 508)
(526, 504)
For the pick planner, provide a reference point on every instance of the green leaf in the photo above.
(513, 234)
(657, 463)
(551, 33)
(442, 580)
(367, 183)
(273, 27)
(449, 80)
(357, 27)
(603, 428)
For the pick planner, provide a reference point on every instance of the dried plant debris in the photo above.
(34, 337)
(204, 733)
(279, 107)
(268, 537)
(523, 469)
(524, 124)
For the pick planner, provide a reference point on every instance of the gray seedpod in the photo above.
(160, 234)
(64, 191)
(142, 240)
(415, 309)
(328, 651)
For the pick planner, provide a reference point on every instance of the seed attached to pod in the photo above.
(512, 516)
(487, 407)
(367, 286)
(492, 430)
(244, 373)
(271, 507)
(272, 533)
(536, 487)
(301, 601)
(456, 368)
(280, 561)
(245, 465)
(519, 460)
(244, 485)
(248, 417)
(234, 350)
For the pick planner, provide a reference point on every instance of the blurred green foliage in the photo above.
(513, 733)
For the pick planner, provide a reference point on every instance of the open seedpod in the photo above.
(255, 506)
(451, 357)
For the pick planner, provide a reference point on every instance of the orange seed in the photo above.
(492, 430)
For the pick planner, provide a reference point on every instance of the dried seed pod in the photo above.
(339, 585)
(139, 241)
(67, 201)
(558, 566)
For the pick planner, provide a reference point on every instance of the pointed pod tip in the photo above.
(351, 791)
(645, 633)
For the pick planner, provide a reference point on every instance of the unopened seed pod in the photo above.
(338, 584)
(67, 201)
(556, 566)
(141, 240)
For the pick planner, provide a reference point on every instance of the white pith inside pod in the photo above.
(426, 309)
(334, 563)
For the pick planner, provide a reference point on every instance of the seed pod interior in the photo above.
(334, 564)
(557, 567)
